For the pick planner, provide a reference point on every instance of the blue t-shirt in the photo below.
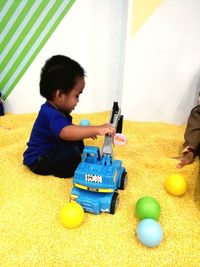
(45, 133)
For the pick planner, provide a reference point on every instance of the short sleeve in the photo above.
(192, 132)
(57, 123)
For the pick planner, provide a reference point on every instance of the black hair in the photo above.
(59, 72)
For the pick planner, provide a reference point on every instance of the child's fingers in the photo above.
(182, 163)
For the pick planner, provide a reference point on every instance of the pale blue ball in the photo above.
(149, 232)
(85, 122)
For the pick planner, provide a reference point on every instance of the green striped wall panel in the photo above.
(25, 27)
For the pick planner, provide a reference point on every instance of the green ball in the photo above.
(147, 207)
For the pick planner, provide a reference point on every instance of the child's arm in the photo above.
(192, 138)
(75, 132)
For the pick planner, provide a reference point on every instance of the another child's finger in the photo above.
(182, 163)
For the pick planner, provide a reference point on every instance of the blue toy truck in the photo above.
(98, 177)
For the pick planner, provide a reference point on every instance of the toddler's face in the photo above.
(69, 100)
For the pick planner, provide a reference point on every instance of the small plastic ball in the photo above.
(176, 184)
(149, 232)
(85, 122)
(147, 207)
(72, 215)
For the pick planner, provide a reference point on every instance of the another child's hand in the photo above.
(106, 129)
(187, 158)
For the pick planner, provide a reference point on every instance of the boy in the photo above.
(56, 144)
(192, 138)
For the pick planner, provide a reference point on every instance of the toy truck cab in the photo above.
(95, 174)
(91, 154)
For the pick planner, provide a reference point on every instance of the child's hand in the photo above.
(187, 158)
(106, 129)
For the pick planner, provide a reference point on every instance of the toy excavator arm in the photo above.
(116, 120)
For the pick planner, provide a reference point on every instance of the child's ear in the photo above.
(58, 93)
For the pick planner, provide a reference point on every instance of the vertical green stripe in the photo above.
(10, 12)
(17, 23)
(32, 40)
(39, 48)
(2, 4)
(23, 34)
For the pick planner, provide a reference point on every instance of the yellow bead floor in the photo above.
(31, 233)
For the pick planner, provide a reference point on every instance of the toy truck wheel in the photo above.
(124, 180)
(114, 203)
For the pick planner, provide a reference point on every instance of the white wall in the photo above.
(162, 65)
(91, 34)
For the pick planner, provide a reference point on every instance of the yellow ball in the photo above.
(72, 215)
(176, 184)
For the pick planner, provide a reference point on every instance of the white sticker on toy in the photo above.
(93, 178)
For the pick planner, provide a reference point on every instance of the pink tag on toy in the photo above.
(119, 139)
